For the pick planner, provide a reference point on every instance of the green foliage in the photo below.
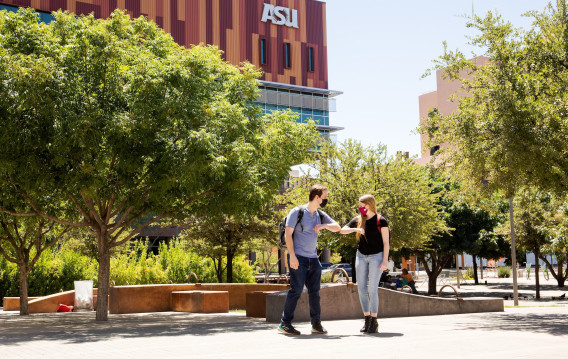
(108, 117)
(326, 277)
(4, 275)
(468, 274)
(504, 272)
(224, 238)
(243, 272)
(511, 128)
(56, 269)
(403, 191)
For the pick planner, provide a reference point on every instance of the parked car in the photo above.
(325, 265)
(345, 266)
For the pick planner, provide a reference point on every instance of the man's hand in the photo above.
(294, 264)
(319, 226)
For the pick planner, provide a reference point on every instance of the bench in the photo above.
(200, 301)
(256, 304)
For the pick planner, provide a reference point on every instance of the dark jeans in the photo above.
(308, 273)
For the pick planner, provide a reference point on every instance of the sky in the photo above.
(378, 51)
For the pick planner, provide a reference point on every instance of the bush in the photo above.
(55, 270)
(242, 271)
(326, 277)
(468, 274)
(504, 272)
(58, 268)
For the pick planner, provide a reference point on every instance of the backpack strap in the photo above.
(321, 215)
(300, 215)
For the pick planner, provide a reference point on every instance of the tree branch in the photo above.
(16, 214)
(41, 213)
(91, 206)
(154, 220)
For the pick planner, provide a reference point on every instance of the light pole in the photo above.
(513, 253)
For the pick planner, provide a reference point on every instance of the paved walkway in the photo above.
(525, 332)
(535, 329)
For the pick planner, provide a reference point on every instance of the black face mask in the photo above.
(323, 202)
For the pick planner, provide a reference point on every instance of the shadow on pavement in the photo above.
(82, 327)
(554, 324)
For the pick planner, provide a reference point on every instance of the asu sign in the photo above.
(280, 15)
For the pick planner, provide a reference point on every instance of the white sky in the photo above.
(379, 49)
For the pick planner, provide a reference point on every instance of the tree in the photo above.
(226, 238)
(122, 127)
(22, 241)
(511, 123)
(539, 226)
(402, 189)
(510, 128)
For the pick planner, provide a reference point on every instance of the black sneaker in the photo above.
(318, 329)
(288, 329)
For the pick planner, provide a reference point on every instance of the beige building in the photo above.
(439, 100)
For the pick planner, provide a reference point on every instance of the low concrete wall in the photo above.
(340, 301)
(47, 304)
(13, 303)
(157, 298)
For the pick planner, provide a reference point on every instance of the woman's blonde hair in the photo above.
(370, 201)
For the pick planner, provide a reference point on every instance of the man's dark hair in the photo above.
(316, 190)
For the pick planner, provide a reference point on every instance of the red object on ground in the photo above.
(65, 308)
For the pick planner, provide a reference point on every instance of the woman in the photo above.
(372, 257)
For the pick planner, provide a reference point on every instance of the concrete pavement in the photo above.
(523, 332)
(535, 329)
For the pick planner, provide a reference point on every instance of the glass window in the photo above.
(311, 64)
(287, 56)
(263, 51)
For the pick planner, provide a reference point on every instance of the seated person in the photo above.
(387, 281)
(409, 280)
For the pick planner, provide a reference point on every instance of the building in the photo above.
(439, 101)
(284, 38)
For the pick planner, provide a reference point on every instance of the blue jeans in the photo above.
(308, 273)
(368, 275)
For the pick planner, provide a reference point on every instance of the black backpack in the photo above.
(282, 226)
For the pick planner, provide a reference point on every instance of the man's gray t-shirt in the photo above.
(305, 242)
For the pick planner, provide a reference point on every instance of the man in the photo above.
(305, 268)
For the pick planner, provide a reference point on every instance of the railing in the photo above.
(343, 280)
(194, 275)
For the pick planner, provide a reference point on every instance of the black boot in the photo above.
(366, 326)
(373, 326)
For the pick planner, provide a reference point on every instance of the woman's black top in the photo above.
(372, 241)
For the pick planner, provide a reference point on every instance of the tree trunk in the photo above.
(219, 269)
(561, 279)
(432, 284)
(230, 256)
(475, 270)
(23, 291)
(536, 272)
(104, 279)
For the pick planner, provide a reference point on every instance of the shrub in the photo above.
(468, 274)
(326, 277)
(242, 271)
(504, 272)
(55, 270)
